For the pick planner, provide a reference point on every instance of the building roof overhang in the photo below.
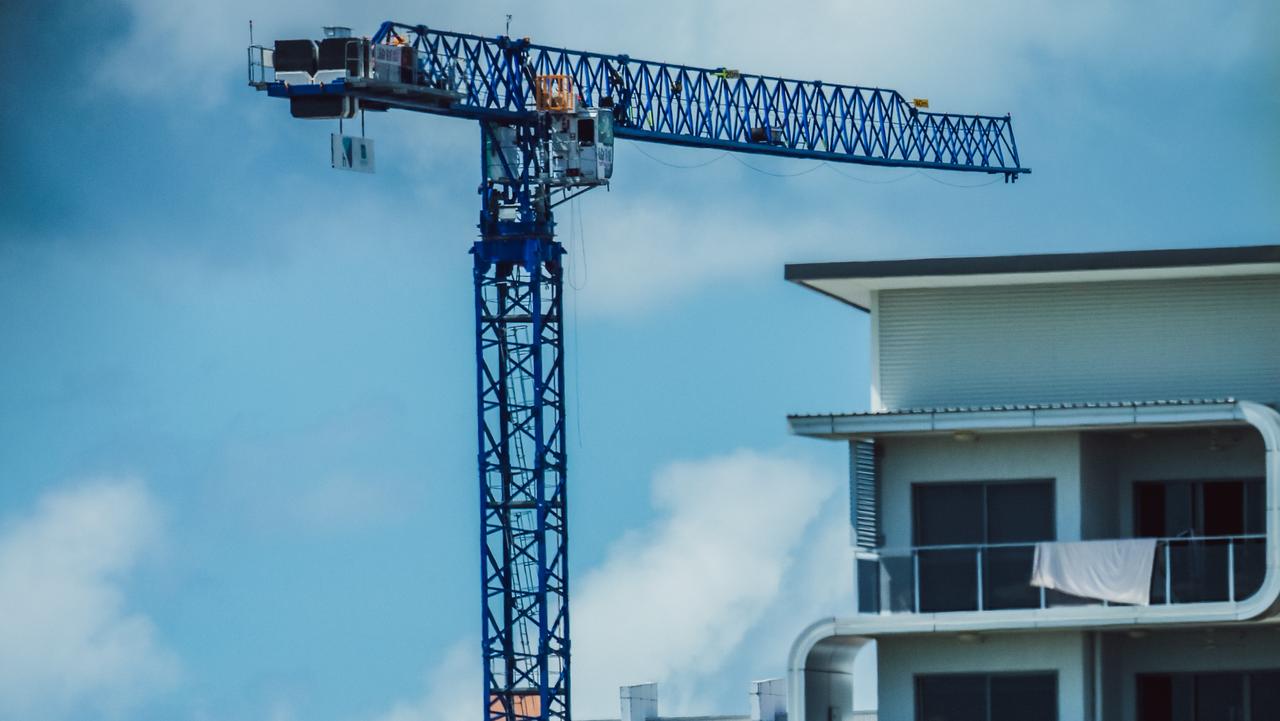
(1049, 416)
(854, 282)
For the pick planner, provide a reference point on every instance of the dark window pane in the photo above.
(1158, 573)
(1155, 697)
(1264, 695)
(1223, 508)
(948, 514)
(1166, 697)
(1179, 509)
(900, 576)
(948, 580)
(1199, 571)
(1006, 578)
(1148, 504)
(1019, 512)
(868, 586)
(951, 698)
(1200, 508)
(1183, 698)
(1219, 697)
(1024, 697)
(1255, 505)
(1250, 567)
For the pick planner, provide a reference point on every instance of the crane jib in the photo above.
(487, 78)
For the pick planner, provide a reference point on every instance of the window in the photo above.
(1235, 696)
(977, 514)
(986, 512)
(1198, 569)
(987, 697)
(586, 131)
(1165, 509)
(605, 119)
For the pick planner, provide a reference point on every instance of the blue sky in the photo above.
(236, 426)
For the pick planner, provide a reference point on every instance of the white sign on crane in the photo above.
(351, 153)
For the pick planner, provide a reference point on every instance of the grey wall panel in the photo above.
(1128, 340)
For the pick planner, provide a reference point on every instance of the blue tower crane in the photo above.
(548, 118)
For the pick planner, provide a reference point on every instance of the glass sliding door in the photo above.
(975, 542)
(987, 697)
(1209, 696)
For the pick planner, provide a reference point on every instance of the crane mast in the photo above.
(548, 118)
(518, 277)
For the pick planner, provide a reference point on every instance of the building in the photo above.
(1022, 405)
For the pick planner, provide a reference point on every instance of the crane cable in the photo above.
(762, 171)
(577, 244)
(660, 161)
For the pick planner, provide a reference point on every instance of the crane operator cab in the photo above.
(577, 145)
(580, 149)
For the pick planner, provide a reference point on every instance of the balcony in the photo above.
(996, 576)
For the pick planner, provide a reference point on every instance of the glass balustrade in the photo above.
(988, 577)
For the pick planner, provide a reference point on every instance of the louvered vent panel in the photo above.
(864, 494)
(1050, 343)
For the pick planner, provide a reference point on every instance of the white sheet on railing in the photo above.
(1118, 571)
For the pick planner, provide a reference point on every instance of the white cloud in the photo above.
(734, 557)
(645, 252)
(68, 641)
(352, 501)
(321, 477)
(673, 602)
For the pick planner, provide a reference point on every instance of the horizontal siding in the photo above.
(1129, 340)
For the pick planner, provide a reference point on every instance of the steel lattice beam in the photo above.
(710, 107)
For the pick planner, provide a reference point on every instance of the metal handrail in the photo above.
(1164, 546)
(261, 59)
(904, 550)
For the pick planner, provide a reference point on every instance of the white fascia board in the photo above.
(817, 426)
(1014, 419)
(972, 420)
(1084, 416)
(858, 291)
(898, 423)
(1200, 413)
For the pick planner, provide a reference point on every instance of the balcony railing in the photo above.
(997, 576)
